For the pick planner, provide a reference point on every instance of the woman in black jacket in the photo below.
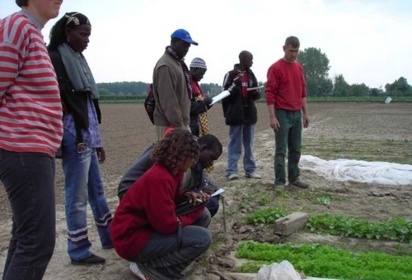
(82, 147)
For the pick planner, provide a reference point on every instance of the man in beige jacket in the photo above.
(171, 85)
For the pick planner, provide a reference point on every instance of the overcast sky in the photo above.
(367, 41)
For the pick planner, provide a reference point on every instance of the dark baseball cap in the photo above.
(184, 36)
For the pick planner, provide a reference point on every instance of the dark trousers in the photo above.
(213, 205)
(163, 259)
(29, 182)
(288, 138)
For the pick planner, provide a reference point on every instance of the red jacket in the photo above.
(285, 87)
(147, 207)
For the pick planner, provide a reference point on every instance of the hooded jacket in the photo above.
(237, 109)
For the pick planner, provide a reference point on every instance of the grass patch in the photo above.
(325, 261)
(389, 150)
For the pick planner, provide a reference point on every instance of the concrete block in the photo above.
(291, 223)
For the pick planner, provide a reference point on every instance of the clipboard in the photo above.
(219, 191)
(254, 88)
(220, 96)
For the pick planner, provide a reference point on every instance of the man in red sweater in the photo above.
(286, 101)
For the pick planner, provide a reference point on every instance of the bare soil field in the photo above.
(127, 131)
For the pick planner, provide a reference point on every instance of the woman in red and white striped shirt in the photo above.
(30, 133)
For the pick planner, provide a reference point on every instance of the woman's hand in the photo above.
(196, 198)
(101, 154)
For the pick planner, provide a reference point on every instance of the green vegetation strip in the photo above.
(325, 261)
(395, 230)
(388, 150)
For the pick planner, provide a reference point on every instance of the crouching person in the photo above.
(146, 229)
(195, 178)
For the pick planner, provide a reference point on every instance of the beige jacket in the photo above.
(170, 93)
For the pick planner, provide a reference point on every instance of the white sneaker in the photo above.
(253, 175)
(134, 269)
(232, 176)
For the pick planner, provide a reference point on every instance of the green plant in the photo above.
(395, 230)
(324, 200)
(326, 261)
(263, 199)
(264, 216)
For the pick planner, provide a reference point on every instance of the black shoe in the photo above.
(93, 259)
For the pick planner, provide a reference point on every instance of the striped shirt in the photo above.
(30, 105)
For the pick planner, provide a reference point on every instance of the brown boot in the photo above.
(300, 184)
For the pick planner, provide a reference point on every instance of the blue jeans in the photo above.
(29, 182)
(240, 135)
(288, 137)
(83, 184)
(163, 259)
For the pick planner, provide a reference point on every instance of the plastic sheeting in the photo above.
(281, 271)
(375, 172)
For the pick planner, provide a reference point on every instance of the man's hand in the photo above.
(207, 100)
(209, 188)
(305, 121)
(274, 123)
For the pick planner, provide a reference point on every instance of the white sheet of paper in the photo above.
(220, 96)
(253, 88)
(219, 191)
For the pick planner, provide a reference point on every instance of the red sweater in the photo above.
(148, 206)
(285, 87)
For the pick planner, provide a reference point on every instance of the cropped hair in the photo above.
(175, 149)
(211, 142)
(244, 54)
(292, 41)
(22, 3)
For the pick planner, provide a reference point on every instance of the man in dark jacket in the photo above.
(194, 178)
(240, 114)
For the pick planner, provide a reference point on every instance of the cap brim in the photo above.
(190, 41)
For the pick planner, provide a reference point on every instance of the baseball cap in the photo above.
(184, 36)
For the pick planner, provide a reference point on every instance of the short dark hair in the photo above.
(244, 54)
(293, 41)
(211, 142)
(22, 3)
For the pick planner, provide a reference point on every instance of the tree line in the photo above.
(318, 82)
(141, 89)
